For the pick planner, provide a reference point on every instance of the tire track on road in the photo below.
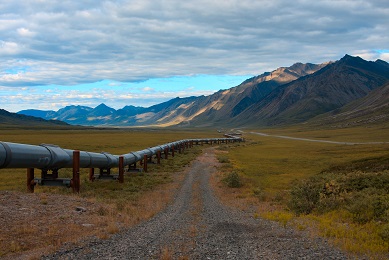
(197, 226)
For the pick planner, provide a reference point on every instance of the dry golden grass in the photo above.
(110, 206)
(269, 165)
(272, 163)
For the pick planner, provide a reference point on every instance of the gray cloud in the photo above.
(71, 42)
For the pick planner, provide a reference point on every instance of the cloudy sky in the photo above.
(56, 53)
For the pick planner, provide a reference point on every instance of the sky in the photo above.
(58, 53)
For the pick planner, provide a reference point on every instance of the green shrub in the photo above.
(223, 159)
(361, 209)
(233, 180)
(259, 193)
(304, 196)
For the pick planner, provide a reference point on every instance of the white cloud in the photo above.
(73, 42)
(25, 32)
(148, 89)
(8, 48)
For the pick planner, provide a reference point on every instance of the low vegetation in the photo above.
(138, 198)
(333, 190)
(233, 180)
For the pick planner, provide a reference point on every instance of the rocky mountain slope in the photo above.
(214, 109)
(287, 95)
(330, 88)
(371, 109)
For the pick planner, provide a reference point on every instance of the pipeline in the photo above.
(49, 157)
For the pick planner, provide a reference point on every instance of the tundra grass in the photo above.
(356, 134)
(140, 196)
(112, 141)
(270, 166)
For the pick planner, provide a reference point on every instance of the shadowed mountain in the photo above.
(287, 95)
(330, 88)
(214, 109)
(371, 109)
(38, 113)
(220, 107)
(8, 119)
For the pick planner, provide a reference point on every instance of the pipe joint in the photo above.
(59, 157)
(5, 155)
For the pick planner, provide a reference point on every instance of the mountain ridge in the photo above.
(287, 95)
(12, 119)
(331, 87)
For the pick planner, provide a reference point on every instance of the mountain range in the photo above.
(8, 119)
(347, 89)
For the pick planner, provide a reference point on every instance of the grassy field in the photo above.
(272, 168)
(113, 141)
(140, 196)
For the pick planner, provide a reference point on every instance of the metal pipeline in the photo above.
(47, 156)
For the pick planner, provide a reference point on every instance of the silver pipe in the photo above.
(47, 156)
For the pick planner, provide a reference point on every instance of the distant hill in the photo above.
(8, 119)
(371, 109)
(330, 88)
(287, 95)
(225, 105)
(218, 109)
(38, 113)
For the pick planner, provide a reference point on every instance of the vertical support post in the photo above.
(121, 169)
(145, 163)
(179, 148)
(30, 180)
(159, 157)
(76, 171)
(133, 166)
(166, 151)
(91, 174)
(173, 148)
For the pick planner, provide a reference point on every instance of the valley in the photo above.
(315, 154)
(347, 92)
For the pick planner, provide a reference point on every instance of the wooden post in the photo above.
(173, 148)
(76, 171)
(92, 174)
(159, 157)
(166, 151)
(145, 163)
(121, 169)
(30, 180)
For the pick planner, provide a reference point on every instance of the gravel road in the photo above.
(314, 140)
(197, 226)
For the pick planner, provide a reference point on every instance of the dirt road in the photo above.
(197, 226)
(315, 140)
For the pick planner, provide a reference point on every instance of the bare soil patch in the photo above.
(41, 223)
